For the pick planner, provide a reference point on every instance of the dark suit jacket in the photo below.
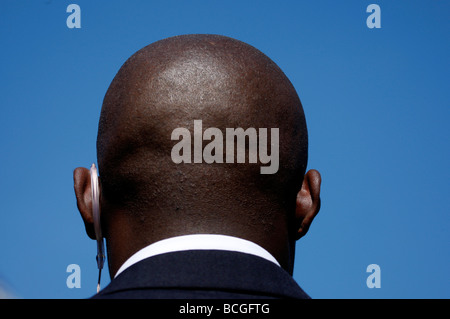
(203, 274)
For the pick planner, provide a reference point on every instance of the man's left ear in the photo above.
(308, 202)
(83, 193)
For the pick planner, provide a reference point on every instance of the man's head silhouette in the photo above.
(147, 197)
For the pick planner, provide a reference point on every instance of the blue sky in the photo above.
(377, 104)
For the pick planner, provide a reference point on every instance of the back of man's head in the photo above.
(202, 134)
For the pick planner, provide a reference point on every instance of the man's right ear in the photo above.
(83, 194)
(308, 202)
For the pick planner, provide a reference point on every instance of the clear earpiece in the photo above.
(97, 226)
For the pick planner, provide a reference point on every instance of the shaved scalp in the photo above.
(225, 83)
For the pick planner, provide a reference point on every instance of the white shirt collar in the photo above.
(197, 242)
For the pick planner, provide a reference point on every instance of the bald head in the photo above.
(221, 83)
(224, 83)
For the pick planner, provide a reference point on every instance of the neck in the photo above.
(122, 241)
